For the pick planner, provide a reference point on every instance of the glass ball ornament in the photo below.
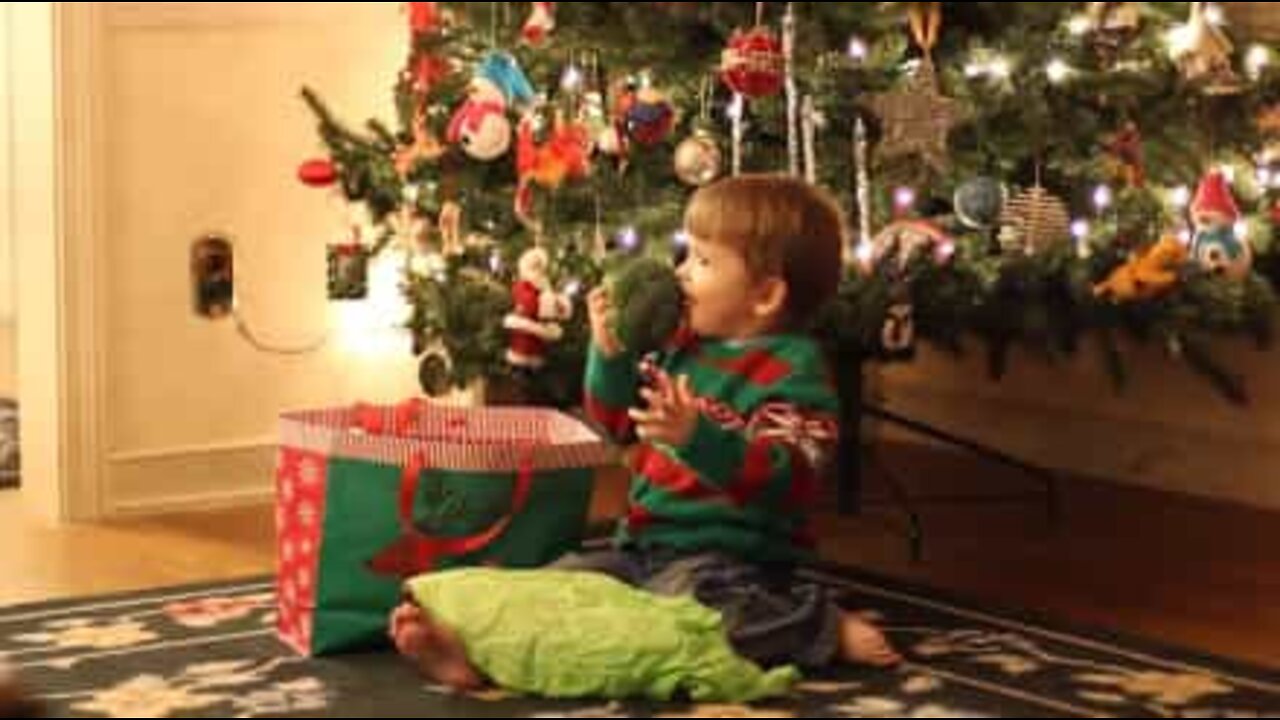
(979, 202)
(698, 159)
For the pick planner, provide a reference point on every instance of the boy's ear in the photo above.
(771, 300)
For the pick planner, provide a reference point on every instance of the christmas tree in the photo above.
(1015, 173)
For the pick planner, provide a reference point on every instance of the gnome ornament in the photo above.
(538, 310)
(1215, 246)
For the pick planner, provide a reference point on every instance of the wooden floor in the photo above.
(1186, 572)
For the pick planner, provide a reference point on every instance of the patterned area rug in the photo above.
(210, 652)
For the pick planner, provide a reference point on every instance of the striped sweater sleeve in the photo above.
(777, 458)
(612, 386)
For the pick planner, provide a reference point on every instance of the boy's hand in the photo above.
(601, 334)
(672, 415)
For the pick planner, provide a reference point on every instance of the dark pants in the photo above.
(770, 617)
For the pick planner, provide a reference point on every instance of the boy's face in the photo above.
(723, 298)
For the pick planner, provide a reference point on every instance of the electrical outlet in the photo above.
(213, 276)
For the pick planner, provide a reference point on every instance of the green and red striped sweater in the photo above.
(747, 479)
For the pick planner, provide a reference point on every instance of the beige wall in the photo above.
(6, 180)
(205, 128)
(1169, 429)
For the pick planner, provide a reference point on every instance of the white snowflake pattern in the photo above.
(82, 634)
(298, 696)
(147, 696)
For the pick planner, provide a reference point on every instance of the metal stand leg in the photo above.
(850, 476)
(1047, 477)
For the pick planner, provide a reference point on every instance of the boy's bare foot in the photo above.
(863, 643)
(433, 648)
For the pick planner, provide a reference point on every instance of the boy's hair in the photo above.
(782, 226)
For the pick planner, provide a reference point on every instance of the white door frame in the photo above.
(57, 82)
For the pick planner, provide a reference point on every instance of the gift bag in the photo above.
(370, 495)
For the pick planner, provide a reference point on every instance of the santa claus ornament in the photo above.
(1215, 245)
(538, 310)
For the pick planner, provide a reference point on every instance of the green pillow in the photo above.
(568, 634)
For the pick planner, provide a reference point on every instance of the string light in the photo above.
(1257, 60)
(864, 253)
(629, 238)
(1080, 231)
(858, 50)
(1058, 70)
(1213, 13)
(1102, 197)
(736, 107)
(1180, 197)
(904, 198)
(1000, 68)
(995, 66)
(946, 251)
(571, 80)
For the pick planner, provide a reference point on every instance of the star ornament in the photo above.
(917, 119)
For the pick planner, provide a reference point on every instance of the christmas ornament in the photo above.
(542, 20)
(566, 155)
(1268, 120)
(1034, 221)
(1113, 26)
(1125, 156)
(754, 63)
(648, 305)
(481, 126)
(698, 159)
(792, 94)
(318, 173)
(898, 332)
(425, 147)
(1203, 53)
(1215, 247)
(424, 17)
(904, 240)
(1146, 275)
(348, 265)
(450, 226)
(504, 71)
(427, 70)
(650, 117)
(433, 374)
(737, 131)
(925, 21)
(810, 120)
(862, 180)
(534, 321)
(917, 119)
(979, 203)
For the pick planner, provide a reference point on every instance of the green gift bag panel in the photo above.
(366, 549)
